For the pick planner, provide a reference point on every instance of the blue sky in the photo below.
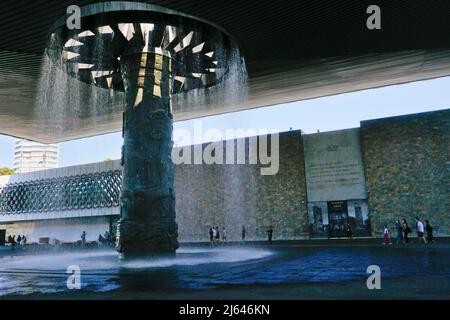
(324, 114)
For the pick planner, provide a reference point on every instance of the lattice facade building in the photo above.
(87, 191)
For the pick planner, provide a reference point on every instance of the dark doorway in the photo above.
(338, 218)
(2, 237)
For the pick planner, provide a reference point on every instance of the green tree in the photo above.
(6, 171)
(107, 160)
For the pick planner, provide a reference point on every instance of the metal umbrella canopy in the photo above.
(199, 51)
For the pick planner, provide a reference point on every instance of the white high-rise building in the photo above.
(31, 156)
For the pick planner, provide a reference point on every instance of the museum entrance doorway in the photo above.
(338, 218)
(329, 219)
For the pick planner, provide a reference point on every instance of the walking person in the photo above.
(349, 231)
(10, 241)
(214, 240)
(217, 234)
(112, 239)
(13, 242)
(399, 228)
(24, 240)
(83, 239)
(406, 230)
(19, 239)
(106, 238)
(224, 235)
(420, 231)
(270, 234)
(429, 229)
(243, 233)
(211, 236)
(101, 240)
(386, 237)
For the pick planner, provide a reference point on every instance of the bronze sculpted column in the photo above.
(147, 225)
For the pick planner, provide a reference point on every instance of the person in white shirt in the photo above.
(420, 231)
(214, 235)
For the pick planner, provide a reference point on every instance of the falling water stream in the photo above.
(68, 108)
(64, 105)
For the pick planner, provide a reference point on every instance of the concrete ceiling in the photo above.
(294, 50)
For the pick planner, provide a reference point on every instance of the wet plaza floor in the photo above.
(259, 272)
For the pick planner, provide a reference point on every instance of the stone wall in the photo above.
(406, 162)
(237, 195)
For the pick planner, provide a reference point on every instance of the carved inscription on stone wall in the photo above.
(333, 166)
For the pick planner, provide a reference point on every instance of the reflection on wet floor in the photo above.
(203, 268)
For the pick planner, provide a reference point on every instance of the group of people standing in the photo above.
(21, 240)
(107, 239)
(216, 236)
(403, 231)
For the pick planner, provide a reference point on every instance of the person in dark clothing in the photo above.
(113, 239)
(13, 242)
(211, 236)
(349, 231)
(217, 234)
(399, 228)
(101, 240)
(429, 229)
(243, 233)
(19, 240)
(270, 234)
(406, 230)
